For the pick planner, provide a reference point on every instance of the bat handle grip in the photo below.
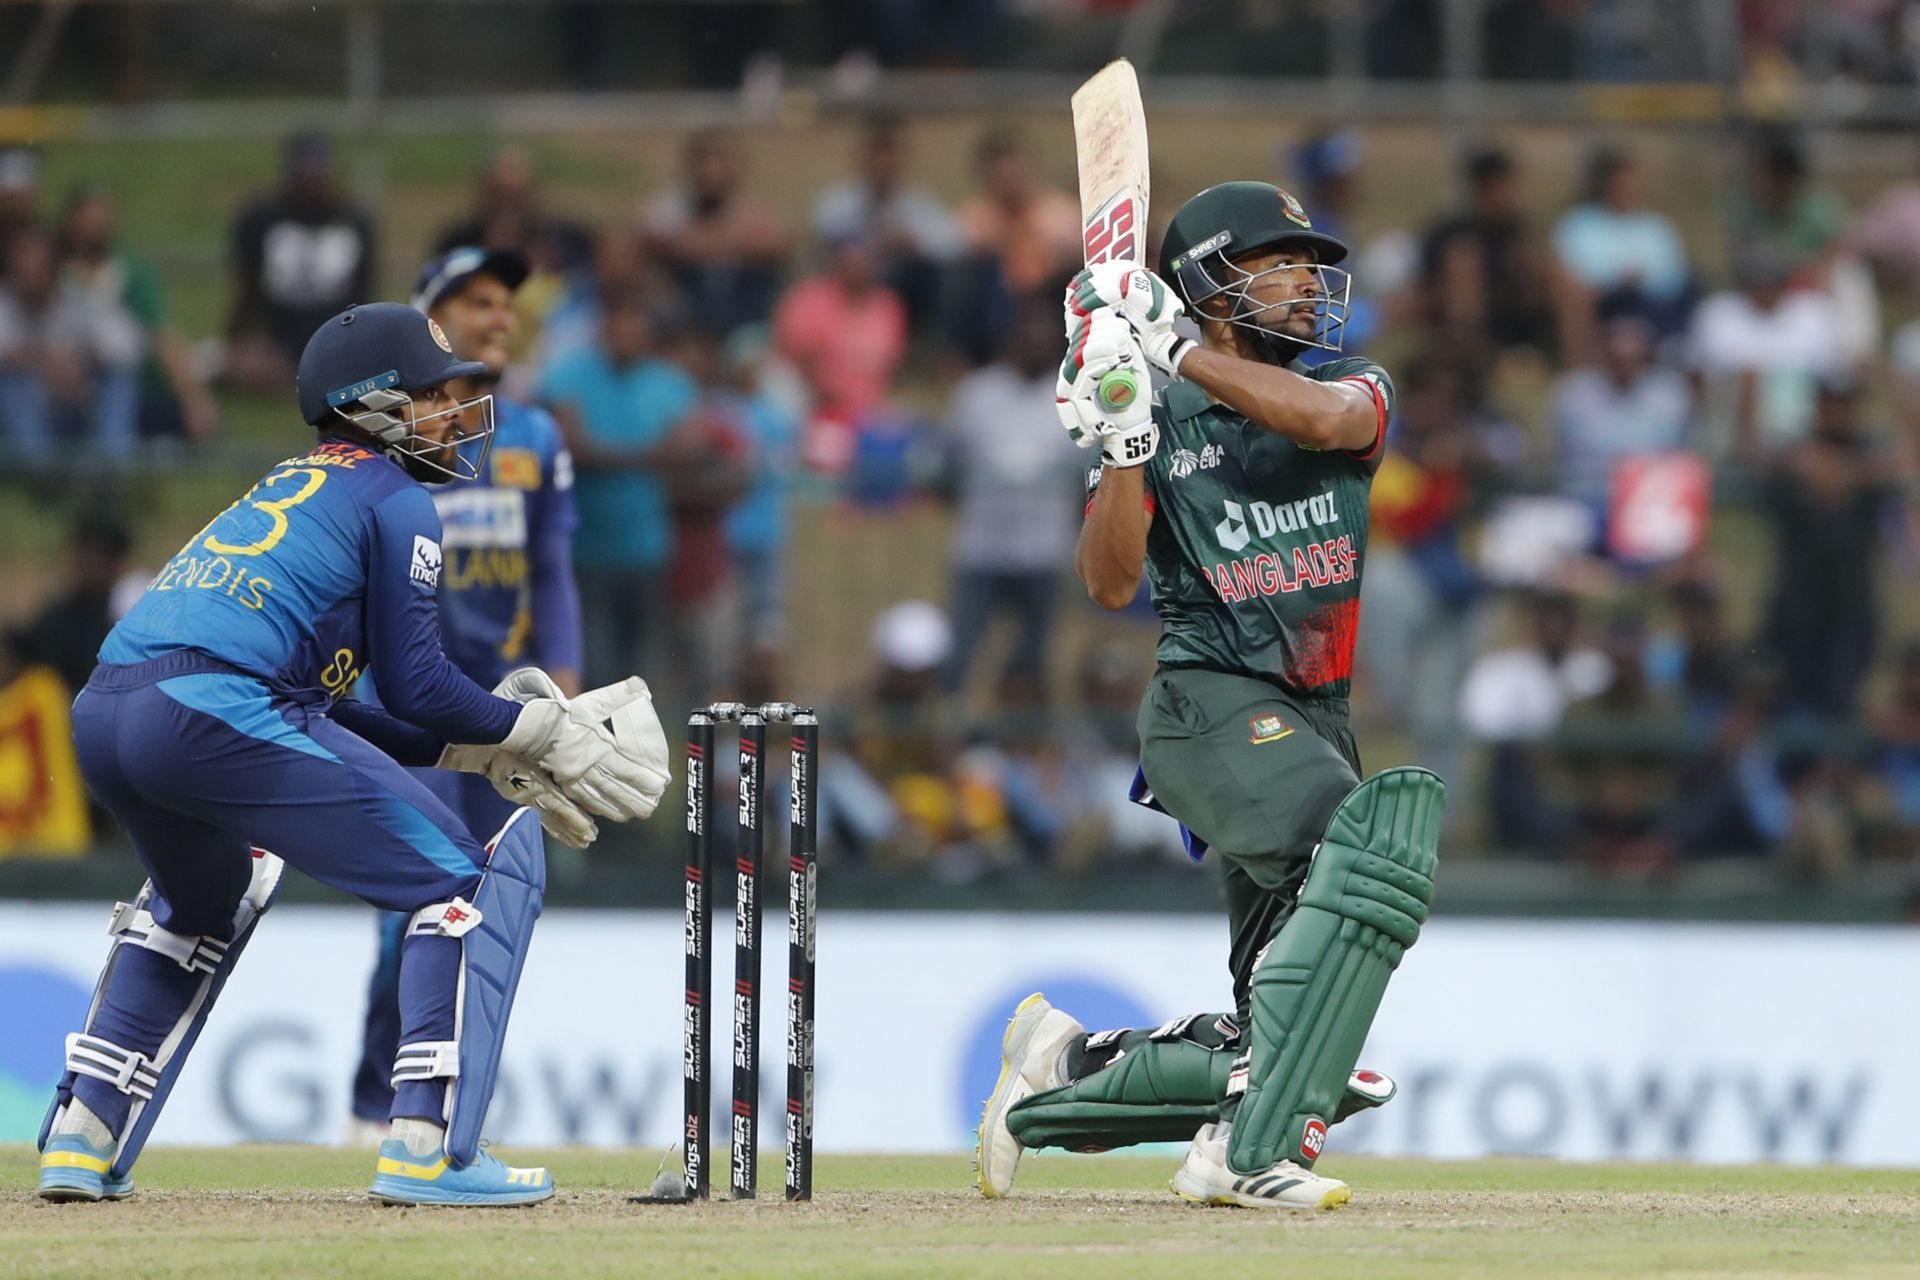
(1118, 389)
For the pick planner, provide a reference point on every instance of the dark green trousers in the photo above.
(1257, 775)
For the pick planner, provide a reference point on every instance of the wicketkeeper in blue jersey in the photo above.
(507, 594)
(214, 730)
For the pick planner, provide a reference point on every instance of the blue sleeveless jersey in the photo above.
(326, 568)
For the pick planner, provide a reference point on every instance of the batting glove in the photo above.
(1100, 345)
(1148, 304)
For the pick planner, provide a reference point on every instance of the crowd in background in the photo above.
(1631, 723)
(134, 52)
(90, 359)
(1547, 622)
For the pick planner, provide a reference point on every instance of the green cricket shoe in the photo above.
(404, 1178)
(1205, 1178)
(74, 1171)
(1030, 1053)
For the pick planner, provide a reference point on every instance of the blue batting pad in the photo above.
(512, 889)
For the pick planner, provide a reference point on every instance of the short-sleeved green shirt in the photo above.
(1254, 554)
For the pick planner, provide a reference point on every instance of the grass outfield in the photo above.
(280, 1211)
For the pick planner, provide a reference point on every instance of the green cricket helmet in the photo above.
(1234, 219)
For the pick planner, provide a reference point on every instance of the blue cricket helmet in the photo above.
(382, 346)
(448, 273)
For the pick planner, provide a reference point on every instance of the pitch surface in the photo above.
(292, 1211)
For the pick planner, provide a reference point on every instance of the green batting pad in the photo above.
(1316, 990)
(1155, 1091)
(1159, 1088)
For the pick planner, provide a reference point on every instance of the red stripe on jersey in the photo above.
(1379, 420)
(1323, 644)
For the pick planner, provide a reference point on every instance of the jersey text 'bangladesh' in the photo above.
(1255, 550)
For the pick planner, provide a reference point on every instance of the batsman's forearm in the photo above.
(1113, 542)
(1320, 415)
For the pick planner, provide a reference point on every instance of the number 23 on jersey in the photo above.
(206, 563)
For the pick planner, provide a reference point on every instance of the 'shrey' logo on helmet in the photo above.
(439, 335)
(1212, 244)
(1294, 210)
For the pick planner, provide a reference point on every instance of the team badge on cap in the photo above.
(1294, 211)
(439, 335)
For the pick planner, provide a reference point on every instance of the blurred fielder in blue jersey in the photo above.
(214, 730)
(507, 594)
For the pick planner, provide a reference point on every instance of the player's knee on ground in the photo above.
(1153, 1085)
(1128, 1086)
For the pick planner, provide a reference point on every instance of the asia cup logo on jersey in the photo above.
(1186, 461)
(439, 335)
(426, 562)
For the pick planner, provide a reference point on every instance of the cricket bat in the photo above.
(1110, 144)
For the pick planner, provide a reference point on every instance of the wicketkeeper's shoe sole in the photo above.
(404, 1178)
(1204, 1178)
(74, 1171)
(1030, 1053)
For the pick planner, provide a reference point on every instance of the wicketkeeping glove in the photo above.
(1148, 303)
(605, 750)
(1097, 346)
(517, 778)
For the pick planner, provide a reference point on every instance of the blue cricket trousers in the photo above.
(199, 762)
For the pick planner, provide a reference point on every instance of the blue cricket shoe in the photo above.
(73, 1169)
(404, 1178)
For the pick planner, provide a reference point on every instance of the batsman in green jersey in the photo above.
(1241, 494)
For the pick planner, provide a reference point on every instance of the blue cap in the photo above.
(381, 346)
(446, 274)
